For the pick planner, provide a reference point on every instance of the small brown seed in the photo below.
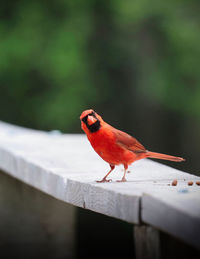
(190, 183)
(174, 183)
(198, 182)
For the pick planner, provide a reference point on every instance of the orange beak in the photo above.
(91, 120)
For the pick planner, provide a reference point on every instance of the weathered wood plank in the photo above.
(177, 214)
(66, 167)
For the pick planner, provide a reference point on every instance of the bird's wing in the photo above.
(125, 140)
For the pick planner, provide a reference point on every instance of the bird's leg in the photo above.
(124, 176)
(104, 179)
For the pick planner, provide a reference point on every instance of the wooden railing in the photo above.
(65, 167)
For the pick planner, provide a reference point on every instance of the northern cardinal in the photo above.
(114, 146)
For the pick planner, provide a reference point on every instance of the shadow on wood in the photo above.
(33, 224)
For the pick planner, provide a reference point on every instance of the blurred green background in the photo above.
(135, 62)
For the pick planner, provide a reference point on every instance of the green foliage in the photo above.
(44, 67)
(59, 57)
(166, 38)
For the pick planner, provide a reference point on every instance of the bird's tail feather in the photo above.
(165, 157)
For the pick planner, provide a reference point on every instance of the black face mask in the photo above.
(93, 127)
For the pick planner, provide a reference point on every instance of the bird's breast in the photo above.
(105, 144)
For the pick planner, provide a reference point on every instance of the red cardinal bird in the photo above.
(114, 146)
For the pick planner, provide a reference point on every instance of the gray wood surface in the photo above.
(177, 214)
(66, 167)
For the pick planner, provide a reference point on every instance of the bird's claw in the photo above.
(104, 181)
(122, 180)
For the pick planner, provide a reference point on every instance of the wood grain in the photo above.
(65, 167)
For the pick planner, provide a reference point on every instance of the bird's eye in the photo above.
(84, 119)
